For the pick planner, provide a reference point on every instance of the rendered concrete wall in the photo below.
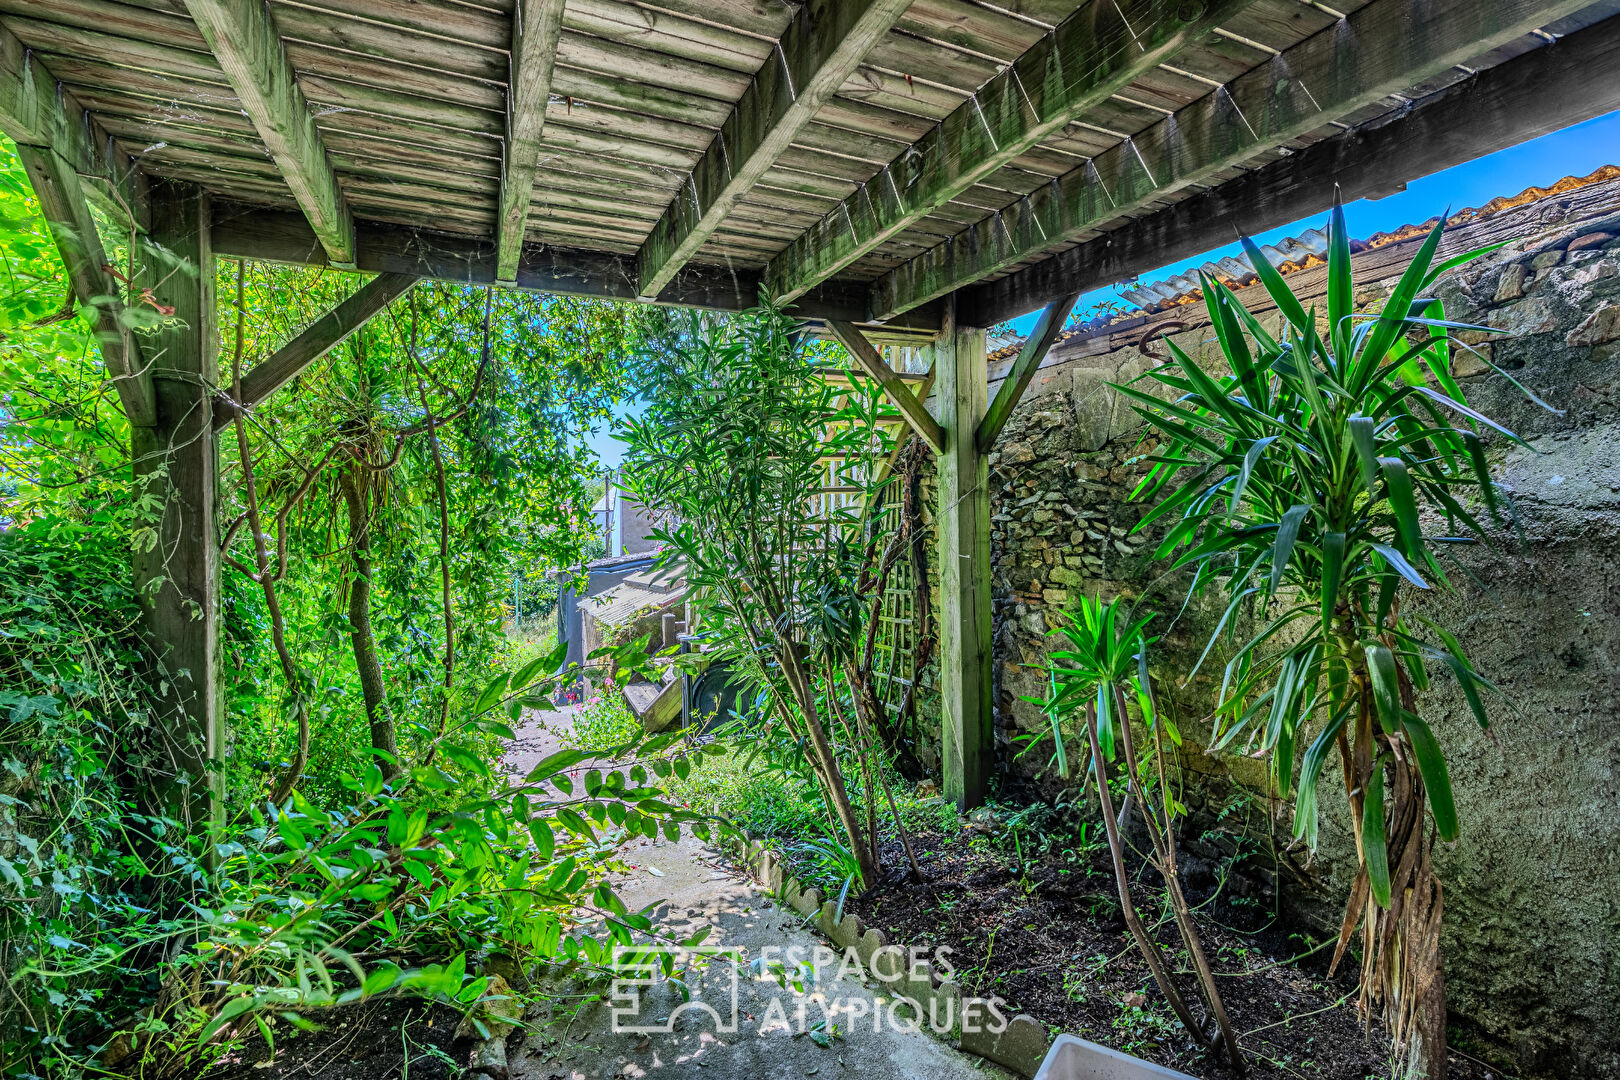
(1532, 942)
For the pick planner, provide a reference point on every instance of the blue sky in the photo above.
(610, 451)
(1574, 151)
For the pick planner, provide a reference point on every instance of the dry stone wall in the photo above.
(1532, 896)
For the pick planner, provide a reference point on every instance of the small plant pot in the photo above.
(1076, 1059)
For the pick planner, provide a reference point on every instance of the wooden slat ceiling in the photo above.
(409, 98)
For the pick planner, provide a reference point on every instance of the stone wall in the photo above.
(1532, 943)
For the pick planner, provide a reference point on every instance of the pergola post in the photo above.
(177, 552)
(963, 524)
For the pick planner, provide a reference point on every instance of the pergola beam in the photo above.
(1378, 50)
(271, 235)
(244, 39)
(894, 388)
(819, 51)
(67, 213)
(36, 111)
(536, 29)
(1034, 349)
(1544, 90)
(174, 461)
(318, 339)
(962, 529)
(1096, 52)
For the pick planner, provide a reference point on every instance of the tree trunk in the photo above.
(1401, 969)
(1144, 944)
(863, 721)
(1162, 834)
(827, 759)
(361, 636)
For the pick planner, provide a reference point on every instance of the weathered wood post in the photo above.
(963, 523)
(177, 551)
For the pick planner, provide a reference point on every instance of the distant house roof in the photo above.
(611, 561)
(628, 600)
(1289, 255)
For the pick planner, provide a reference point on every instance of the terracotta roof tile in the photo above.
(1293, 254)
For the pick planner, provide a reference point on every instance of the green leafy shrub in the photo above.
(76, 859)
(1102, 660)
(604, 720)
(128, 943)
(734, 446)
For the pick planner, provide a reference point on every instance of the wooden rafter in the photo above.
(894, 388)
(536, 29)
(820, 50)
(1380, 49)
(1035, 347)
(36, 111)
(244, 39)
(318, 339)
(1541, 91)
(1098, 51)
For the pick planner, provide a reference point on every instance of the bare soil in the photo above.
(377, 1040)
(1048, 938)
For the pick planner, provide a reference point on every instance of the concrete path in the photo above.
(538, 737)
(776, 1034)
(776, 1027)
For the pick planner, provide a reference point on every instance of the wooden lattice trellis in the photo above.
(846, 481)
(900, 628)
(896, 646)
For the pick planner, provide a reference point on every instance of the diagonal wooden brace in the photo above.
(871, 362)
(1029, 359)
(320, 338)
(62, 201)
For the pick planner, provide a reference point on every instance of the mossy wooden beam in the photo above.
(819, 51)
(67, 213)
(174, 461)
(319, 338)
(894, 388)
(1378, 50)
(1034, 349)
(536, 29)
(36, 111)
(1541, 91)
(276, 235)
(963, 527)
(1098, 51)
(243, 37)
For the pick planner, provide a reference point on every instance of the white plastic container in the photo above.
(1076, 1059)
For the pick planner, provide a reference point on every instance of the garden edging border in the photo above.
(1021, 1046)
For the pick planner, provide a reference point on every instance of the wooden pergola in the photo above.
(904, 171)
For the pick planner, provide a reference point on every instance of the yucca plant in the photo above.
(1300, 476)
(1106, 656)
